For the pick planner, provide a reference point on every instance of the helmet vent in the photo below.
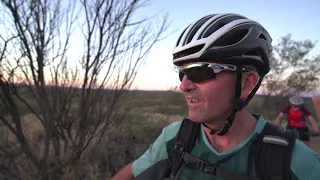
(212, 29)
(179, 39)
(188, 52)
(230, 38)
(217, 24)
(196, 27)
(262, 37)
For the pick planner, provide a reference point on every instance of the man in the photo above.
(297, 115)
(222, 60)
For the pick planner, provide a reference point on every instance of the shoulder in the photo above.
(171, 131)
(285, 109)
(305, 163)
(305, 111)
(157, 150)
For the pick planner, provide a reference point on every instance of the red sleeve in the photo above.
(285, 109)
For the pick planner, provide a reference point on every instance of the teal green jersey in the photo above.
(305, 163)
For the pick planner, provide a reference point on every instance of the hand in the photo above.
(316, 136)
(316, 130)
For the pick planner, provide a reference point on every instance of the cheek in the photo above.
(219, 95)
(220, 92)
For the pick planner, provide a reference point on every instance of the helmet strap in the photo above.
(238, 104)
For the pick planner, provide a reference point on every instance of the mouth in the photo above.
(193, 101)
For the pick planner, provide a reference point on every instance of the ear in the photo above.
(249, 81)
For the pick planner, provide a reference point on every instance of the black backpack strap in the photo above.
(182, 156)
(157, 171)
(185, 141)
(274, 148)
(214, 169)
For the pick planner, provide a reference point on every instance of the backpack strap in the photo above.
(185, 141)
(215, 169)
(182, 156)
(274, 149)
(273, 155)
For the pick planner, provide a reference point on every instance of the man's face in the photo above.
(296, 107)
(210, 100)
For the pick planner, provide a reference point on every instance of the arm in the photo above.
(156, 152)
(305, 162)
(279, 119)
(314, 123)
(124, 174)
(316, 173)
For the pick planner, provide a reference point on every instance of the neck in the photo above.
(243, 125)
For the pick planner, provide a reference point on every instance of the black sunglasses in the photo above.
(202, 71)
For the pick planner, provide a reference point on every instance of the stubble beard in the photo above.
(201, 115)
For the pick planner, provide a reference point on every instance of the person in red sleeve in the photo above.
(297, 115)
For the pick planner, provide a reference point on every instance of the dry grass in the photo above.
(34, 133)
(32, 129)
(135, 131)
(315, 143)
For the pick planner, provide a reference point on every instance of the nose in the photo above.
(187, 85)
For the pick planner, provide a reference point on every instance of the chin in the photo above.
(203, 117)
(198, 117)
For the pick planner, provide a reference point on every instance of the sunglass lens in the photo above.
(198, 74)
(181, 74)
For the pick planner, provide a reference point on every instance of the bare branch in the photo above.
(71, 65)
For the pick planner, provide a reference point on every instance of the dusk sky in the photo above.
(299, 18)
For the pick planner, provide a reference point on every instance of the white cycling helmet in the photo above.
(228, 39)
(296, 100)
(225, 38)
